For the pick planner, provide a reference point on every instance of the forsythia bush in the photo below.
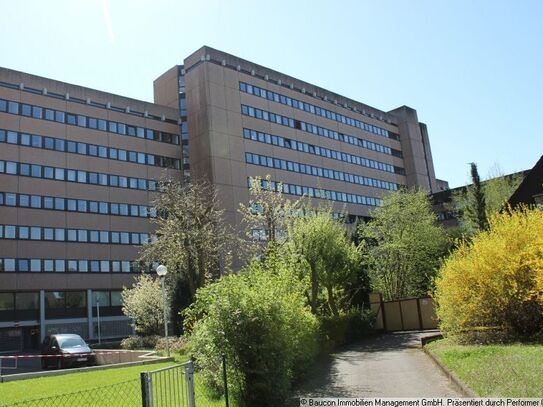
(496, 281)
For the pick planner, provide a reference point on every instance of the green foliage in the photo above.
(403, 244)
(268, 215)
(144, 304)
(496, 281)
(347, 327)
(259, 320)
(497, 189)
(193, 240)
(329, 258)
(140, 342)
(476, 210)
(177, 344)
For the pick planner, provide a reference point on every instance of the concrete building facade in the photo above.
(79, 167)
(78, 171)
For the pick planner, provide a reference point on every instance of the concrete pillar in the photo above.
(89, 314)
(42, 315)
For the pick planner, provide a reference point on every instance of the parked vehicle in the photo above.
(66, 350)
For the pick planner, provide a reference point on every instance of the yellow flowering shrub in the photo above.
(495, 282)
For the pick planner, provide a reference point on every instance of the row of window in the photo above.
(317, 130)
(74, 99)
(56, 144)
(79, 176)
(75, 205)
(320, 151)
(10, 265)
(316, 110)
(72, 235)
(330, 195)
(307, 169)
(43, 113)
(11, 301)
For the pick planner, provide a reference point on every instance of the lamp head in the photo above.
(161, 270)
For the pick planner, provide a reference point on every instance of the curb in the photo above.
(467, 392)
(34, 375)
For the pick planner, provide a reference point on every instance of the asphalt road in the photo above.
(386, 366)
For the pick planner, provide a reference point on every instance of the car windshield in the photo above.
(71, 342)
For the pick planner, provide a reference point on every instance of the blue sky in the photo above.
(472, 69)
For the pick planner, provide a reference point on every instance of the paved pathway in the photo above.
(386, 366)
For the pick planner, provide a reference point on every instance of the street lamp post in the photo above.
(162, 271)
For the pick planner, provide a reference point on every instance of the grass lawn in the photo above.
(514, 370)
(116, 394)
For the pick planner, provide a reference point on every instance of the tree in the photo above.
(258, 318)
(192, 238)
(268, 213)
(496, 190)
(476, 209)
(332, 260)
(404, 245)
(144, 304)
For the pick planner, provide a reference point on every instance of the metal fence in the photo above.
(170, 386)
(124, 394)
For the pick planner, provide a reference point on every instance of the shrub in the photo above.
(346, 327)
(495, 283)
(259, 320)
(177, 344)
(140, 342)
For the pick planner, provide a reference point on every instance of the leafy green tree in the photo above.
(268, 214)
(333, 262)
(404, 245)
(259, 320)
(144, 304)
(496, 189)
(476, 208)
(193, 241)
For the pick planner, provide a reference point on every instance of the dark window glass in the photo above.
(24, 169)
(76, 299)
(71, 119)
(59, 116)
(36, 141)
(24, 201)
(3, 105)
(13, 107)
(35, 201)
(23, 265)
(54, 299)
(37, 112)
(7, 300)
(82, 121)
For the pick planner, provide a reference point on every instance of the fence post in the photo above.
(145, 390)
(189, 375)
(225, 379)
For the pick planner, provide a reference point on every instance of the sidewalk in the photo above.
(391, 365)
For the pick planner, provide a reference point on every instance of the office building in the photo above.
(78, 172)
